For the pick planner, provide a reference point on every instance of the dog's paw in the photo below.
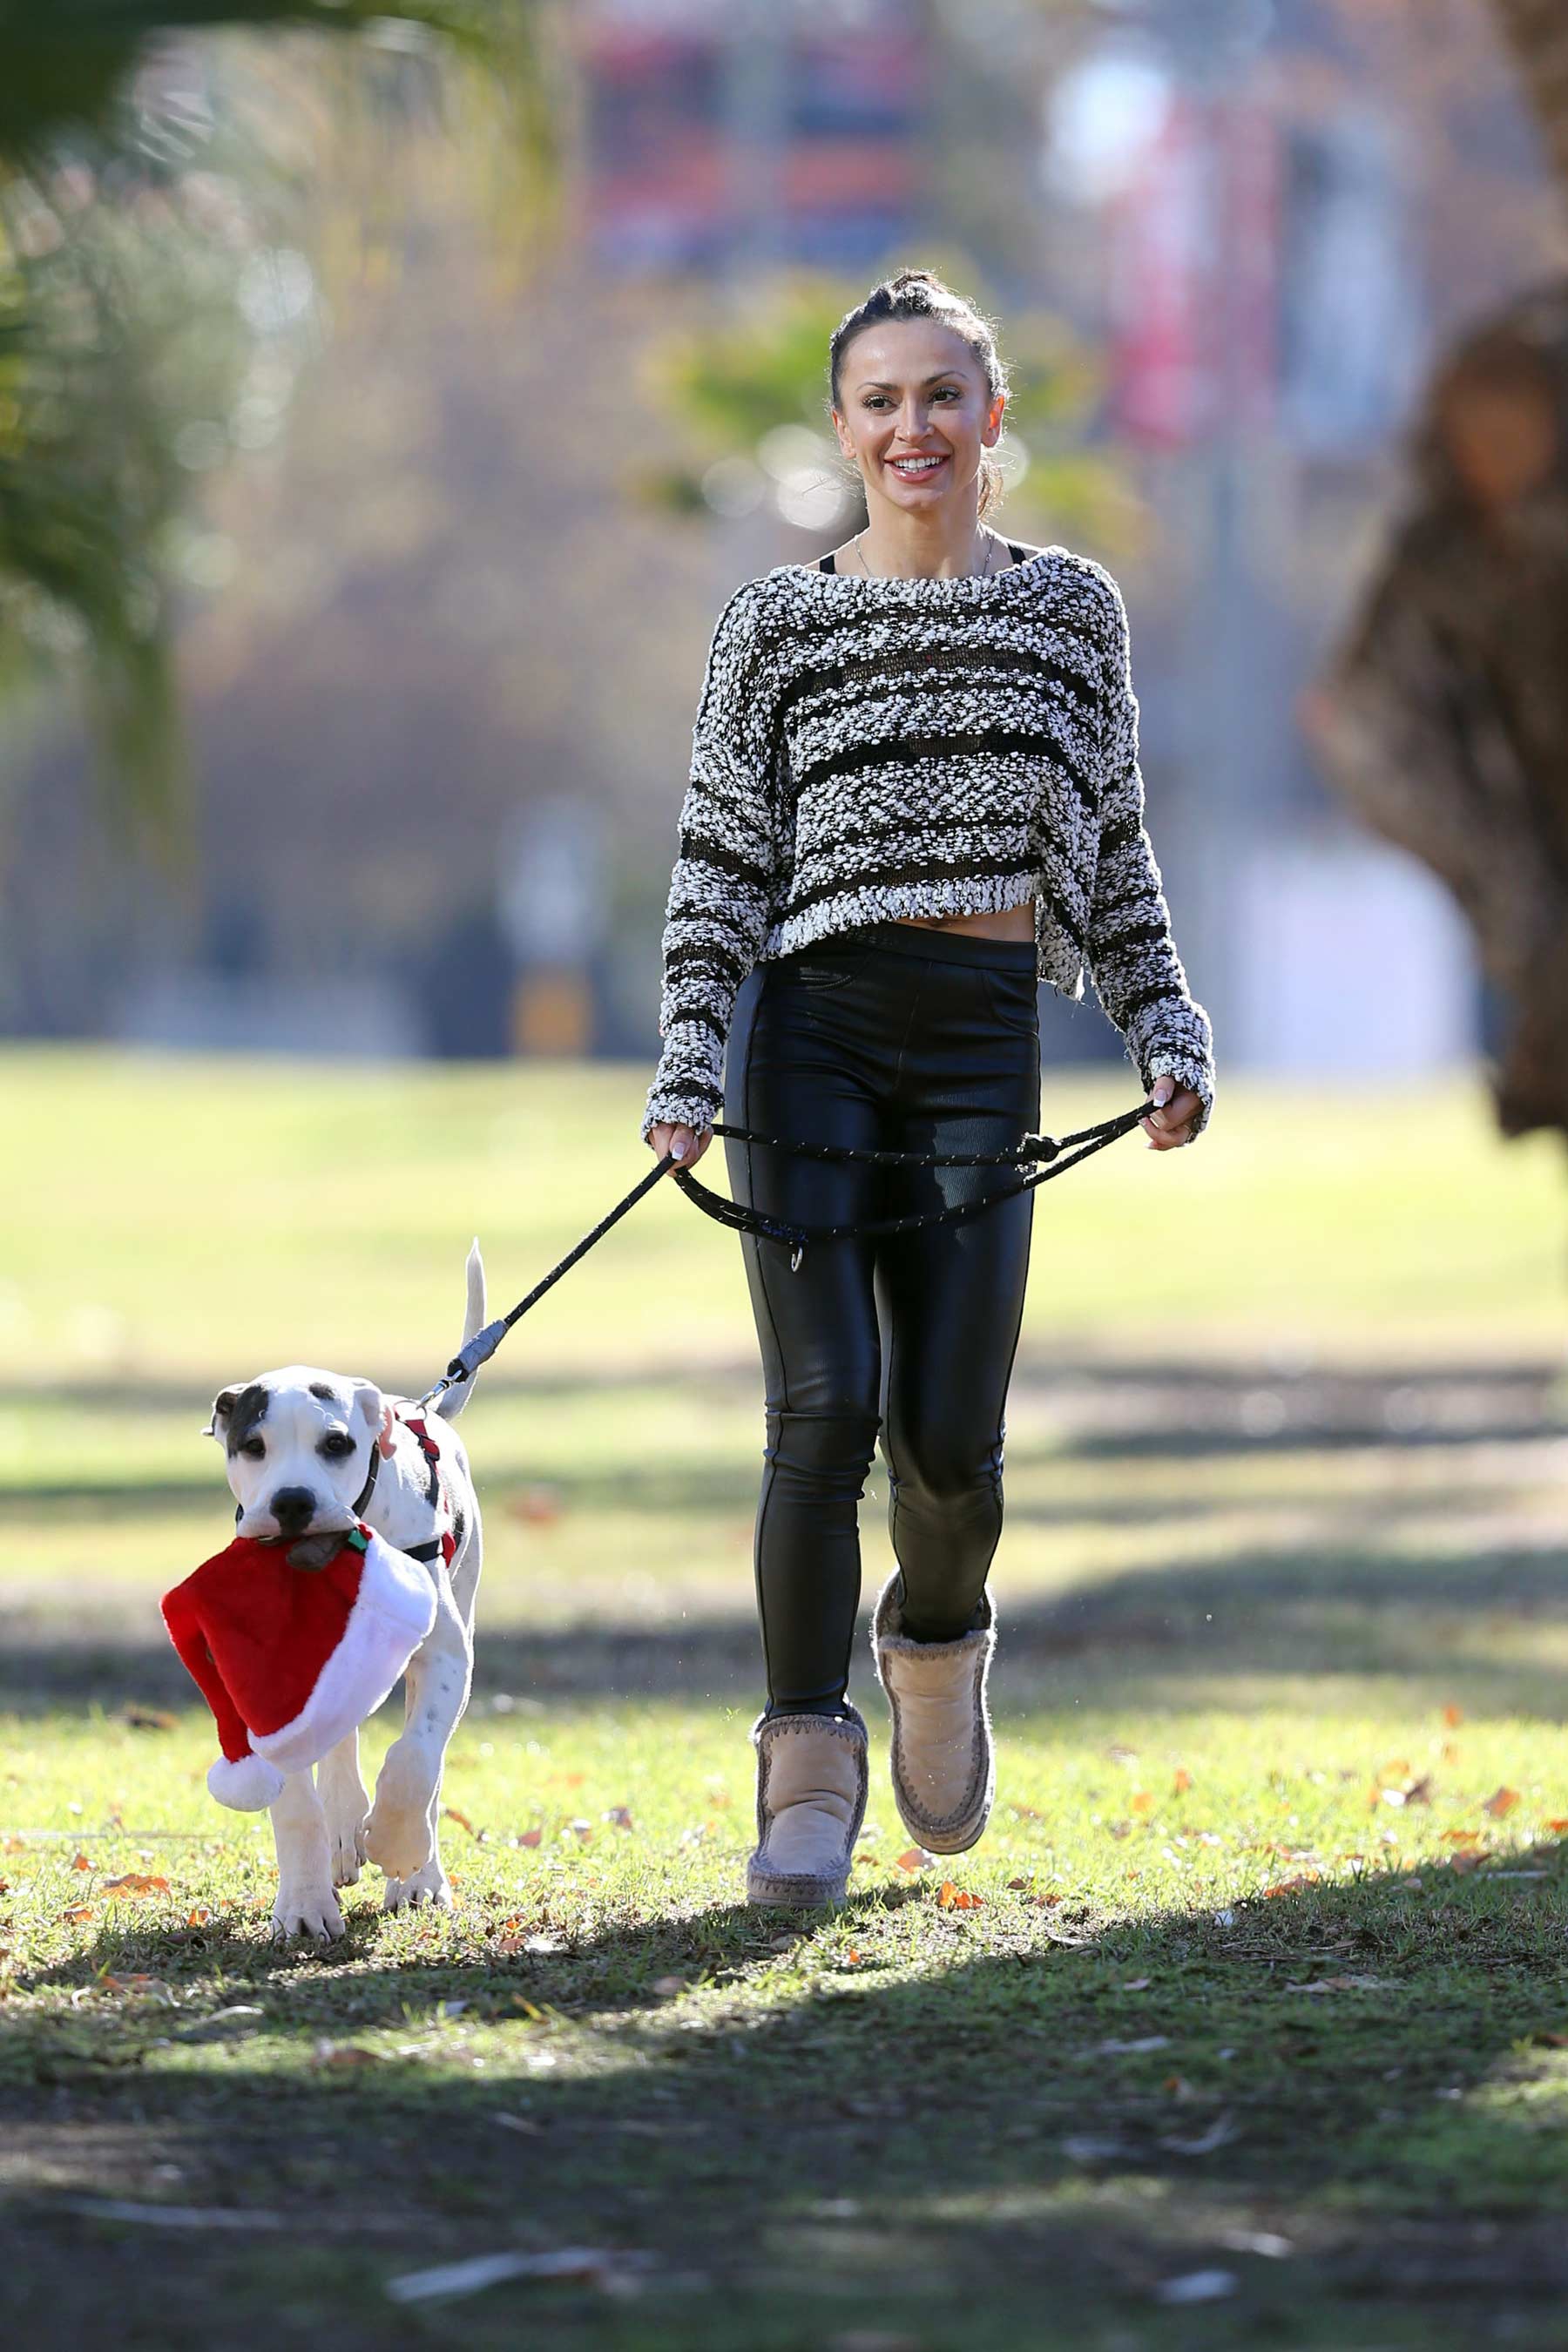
(306, 1911)
(347, 1850)
(429, 1888)
(398, 1840)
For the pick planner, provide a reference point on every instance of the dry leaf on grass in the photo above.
(957, 1898)
(345, 2057)
(80, 1861)
(531, 1837)
(197, 1915)
(619, 1817)
(915, 1857)
(77, 1914)
(135, 1885)
(1182, 1781)
(151, 1989)
(1452, 1716)
(1292, 1886)
(1500, 1802)
(149, 1719)
(450, 1813)
(1142, 1803)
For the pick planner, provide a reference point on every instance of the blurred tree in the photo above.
(150, 324)
(751, 393)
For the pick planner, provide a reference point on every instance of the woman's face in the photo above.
(911, 389)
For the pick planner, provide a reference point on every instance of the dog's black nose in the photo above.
(293, 1507)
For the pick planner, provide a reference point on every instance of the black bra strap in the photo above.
(827, 564)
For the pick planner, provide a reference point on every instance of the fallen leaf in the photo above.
(531, 1837)
(957, 1898)
(1183, 1780)
(198, 1915)
(619, 1817)
(81, 1863)
(136, 1885)
(1196, 2287)
(1558, 1825)
(915, 1857)
(1018, 1886)
(852, 1959)
(1142, 1803)
(540, 1506)
(139, 1987)
(344, 2057)
(450, 1813)
(1292, 1886)
(1501, 1802)
(1218, 2135)
(16, 1845)
(1452, 1716)
(1461, 1862)
(1461, 1837)
(581, 1830)
(78, 1912)
(149, 1719)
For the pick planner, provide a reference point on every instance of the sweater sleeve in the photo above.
(727, 875)
(1138, 976)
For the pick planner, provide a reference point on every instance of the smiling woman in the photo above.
(932, 732)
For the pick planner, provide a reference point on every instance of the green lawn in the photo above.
(1265, 1984)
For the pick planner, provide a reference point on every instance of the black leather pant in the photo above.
(916, 1039)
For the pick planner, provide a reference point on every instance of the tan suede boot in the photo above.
(944, 1772)
(811, 1802)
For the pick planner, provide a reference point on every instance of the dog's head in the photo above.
(299, 1444)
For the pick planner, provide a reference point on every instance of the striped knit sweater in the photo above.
(868, 748)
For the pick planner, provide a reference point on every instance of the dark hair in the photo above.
(921, 294)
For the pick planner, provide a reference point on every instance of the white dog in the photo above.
(309, 1452)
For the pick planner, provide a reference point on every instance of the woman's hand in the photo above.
(686, 1147)
(1169, 1125)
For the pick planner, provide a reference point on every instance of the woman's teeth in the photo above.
(916, 465)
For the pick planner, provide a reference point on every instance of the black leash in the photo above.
(1048, 1155)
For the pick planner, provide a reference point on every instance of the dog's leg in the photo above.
(346, 1806)
(401, 1835)
(306, 1905)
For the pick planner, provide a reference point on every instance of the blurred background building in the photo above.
(453, 534)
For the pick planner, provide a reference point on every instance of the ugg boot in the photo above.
(944, 1773)
(811, 1802)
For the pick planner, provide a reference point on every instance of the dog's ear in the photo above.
(223, 1405)
(367, 1403)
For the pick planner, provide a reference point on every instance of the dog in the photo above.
(310, 1451)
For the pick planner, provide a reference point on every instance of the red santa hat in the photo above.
(291, 1659)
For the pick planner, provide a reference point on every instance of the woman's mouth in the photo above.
(917, 469)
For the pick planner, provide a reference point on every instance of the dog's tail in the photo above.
(454, 1400)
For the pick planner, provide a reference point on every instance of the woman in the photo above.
(914, 794)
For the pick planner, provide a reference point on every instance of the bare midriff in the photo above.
(1001, 923)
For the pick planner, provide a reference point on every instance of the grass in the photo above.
(1264, 1982)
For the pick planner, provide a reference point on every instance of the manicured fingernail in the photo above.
(678, 1150)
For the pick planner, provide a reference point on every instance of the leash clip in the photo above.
(795, 1256)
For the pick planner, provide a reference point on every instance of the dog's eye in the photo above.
(338, 1444)
(255, 1448)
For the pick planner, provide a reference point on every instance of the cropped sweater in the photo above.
(868, 748)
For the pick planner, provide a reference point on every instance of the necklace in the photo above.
(860, 552)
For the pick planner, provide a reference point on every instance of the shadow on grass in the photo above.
(1349, 2101)
(1344, 1611)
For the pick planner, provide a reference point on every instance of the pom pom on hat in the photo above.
(291, 1660)
(247, 1784)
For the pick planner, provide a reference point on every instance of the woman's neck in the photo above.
(907, 547)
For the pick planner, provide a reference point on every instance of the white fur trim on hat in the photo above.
(392, 1612)
(248, 1785)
